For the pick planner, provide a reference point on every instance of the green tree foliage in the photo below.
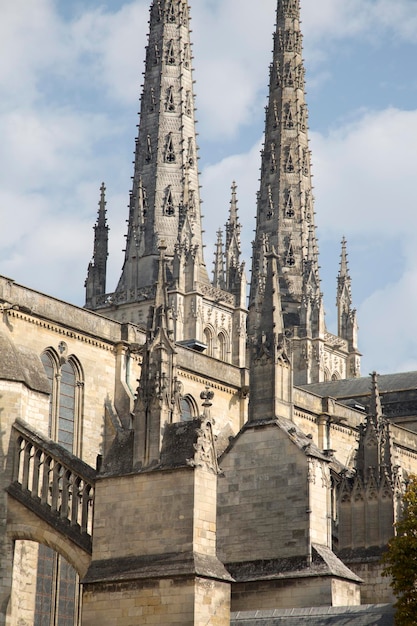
(400, 560)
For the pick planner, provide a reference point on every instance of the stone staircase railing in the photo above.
(54, 484)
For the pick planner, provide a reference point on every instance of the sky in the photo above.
(70, 81)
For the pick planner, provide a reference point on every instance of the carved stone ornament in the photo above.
(205, 449)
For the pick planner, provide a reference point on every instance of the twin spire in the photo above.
(165, 207)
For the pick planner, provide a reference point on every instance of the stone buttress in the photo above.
(274, 503)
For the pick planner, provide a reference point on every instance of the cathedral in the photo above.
(179, 451)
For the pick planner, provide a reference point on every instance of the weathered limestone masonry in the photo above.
(110, 464)
(274, 508)
(108, 354)
(154, 548)
(32, 324)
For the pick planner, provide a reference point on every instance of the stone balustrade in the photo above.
(54, 483)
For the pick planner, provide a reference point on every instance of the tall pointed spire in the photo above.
(165, 207)
(346, 314)
(285, 203)
(233, 250)
(95, 283)
(344, 292)
(165, 201)
(285, 216)
(218, 271)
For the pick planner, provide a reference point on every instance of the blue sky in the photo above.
(70, 75)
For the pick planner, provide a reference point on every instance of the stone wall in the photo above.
(263, 498)
(289, 593)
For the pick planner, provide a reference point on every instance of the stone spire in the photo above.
(285, 203)
(346, 315)
(165, 200)
(218, 271)
(234, 267)
(285, 218)
(95, 283)
(270, 394)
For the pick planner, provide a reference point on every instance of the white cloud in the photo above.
(113, 45)
(366, 173)
(243, 169)
(325, 20)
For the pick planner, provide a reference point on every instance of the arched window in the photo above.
(188, 408)
(208, 339)
(222, 346)
(66, 401)
(57, 586)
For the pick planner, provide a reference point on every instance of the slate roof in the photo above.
(364, 615)
(352, 387)
(20, 364)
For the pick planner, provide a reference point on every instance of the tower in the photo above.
(285, 216)
(165, 206)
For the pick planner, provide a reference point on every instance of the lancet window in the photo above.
(170, 101)
(189, 408)
(184, 13)
(289, 76)
(271, 209)
(303, 124)
(289, 41)
(186, 55)
(208, 339)
(148, 149)
(290, 260)
(190, 153)
(158, 11)
(191, 201)
(188, 104)
(305, 162)
(169, 150)
(289, 121)
(171, 13)
(152, 100)
(289, 205)
(57, 584)
(222, 346)
(169, 208)
(171, 58)
(308, 206)
(273, 162)
(289, 165)
(276, 115)
(278, 73)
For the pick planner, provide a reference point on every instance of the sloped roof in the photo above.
(364, 615)
(20, 364)
(352, 387)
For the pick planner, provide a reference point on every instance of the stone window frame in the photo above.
(191, 408)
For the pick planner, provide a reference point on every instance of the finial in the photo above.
(344, 270)
(207, 395)
(233, 205)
